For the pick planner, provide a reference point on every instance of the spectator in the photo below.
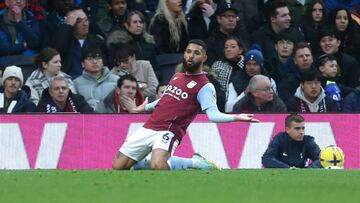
(351, 103)
(278, 20)
(115, 18)
(135, 34)
(254, 65)
(349, 32)
(282, 62)
(287, 86)
(328, 69)
(260, 98)
(292, 148)
(160, 89)
(58, 98)
(310, 97)
(169, 27)
(19, 31)
(330, 41)
(73, 39)
(13, 99)
(313, 21)
(228, 21)
(54, 20)
(48, 62)
(142, 70)
(123, 99)
(232, 63)
(202, 19)
(96, 81)
(33, 5)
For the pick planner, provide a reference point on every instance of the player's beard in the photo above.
(193, 68)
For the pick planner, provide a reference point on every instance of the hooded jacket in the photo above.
(108, 105)
(95, 90)
(322, 103)
(21, 103)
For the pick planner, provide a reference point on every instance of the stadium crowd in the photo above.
(272, 56)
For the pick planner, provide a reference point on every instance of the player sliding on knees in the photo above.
(186, 94)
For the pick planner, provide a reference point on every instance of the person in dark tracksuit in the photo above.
(292, 148)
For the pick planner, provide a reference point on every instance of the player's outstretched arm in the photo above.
(245, 117)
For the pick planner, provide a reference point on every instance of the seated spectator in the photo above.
(33, 5)
(228, 27)
(73, 39)
(260, 98)
(19, 31)
(292, 148)
(169, 27)
(115, 18)
(310, 97)
(96, 80)
(328, 69)
(202, 19)
(123, 99)
(312, 23)
(55, 19)
(349, 32)
(140, 69)
(330, 41)
(13, 99)
(278, 20)
(282, 62)
(231, 64)
(48, 62)
(303, 60)
(254, 65)
(351, 103)
(134, 33)
(58, 98)
(160, 89)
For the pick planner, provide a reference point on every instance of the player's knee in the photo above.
(121, 163)
(159, 165)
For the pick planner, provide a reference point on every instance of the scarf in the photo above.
(51, 107)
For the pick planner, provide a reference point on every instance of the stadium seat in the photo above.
(166, 66)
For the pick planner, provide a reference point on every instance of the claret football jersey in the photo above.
(179, 105)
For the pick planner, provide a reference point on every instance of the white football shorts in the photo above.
(139, 144)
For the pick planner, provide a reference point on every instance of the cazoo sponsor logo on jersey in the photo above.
(176, 92)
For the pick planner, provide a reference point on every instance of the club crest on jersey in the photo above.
(191, 84)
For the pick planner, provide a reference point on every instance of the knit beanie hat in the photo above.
(13, 71)
(254, 54)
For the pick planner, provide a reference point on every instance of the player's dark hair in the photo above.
(199, 42)
(293, 118)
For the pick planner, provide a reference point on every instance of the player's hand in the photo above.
(246, 118)
(141, 107)
(293, 168)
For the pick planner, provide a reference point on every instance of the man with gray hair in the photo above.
(260, 98)
(59, 98)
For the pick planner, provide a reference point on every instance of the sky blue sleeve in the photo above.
(207, 100)
(207, 96)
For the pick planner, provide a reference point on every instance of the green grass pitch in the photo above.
(226, 186)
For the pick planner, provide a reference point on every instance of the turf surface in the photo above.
(226, 186)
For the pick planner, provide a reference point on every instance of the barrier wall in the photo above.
(75, 141)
